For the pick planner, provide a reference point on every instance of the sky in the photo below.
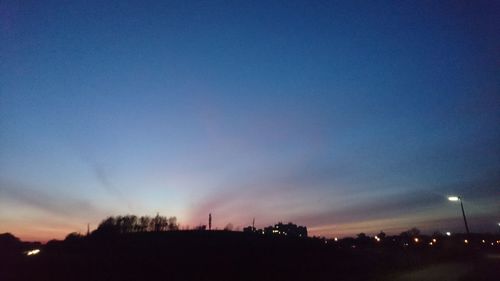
(343, 116)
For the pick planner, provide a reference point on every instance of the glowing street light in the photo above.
(458, 198)
(33, 252)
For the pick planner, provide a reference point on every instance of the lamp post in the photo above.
(458, 198)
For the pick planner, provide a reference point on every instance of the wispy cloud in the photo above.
(54, 204)
(102, 176)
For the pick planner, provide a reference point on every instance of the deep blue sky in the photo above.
(342, 116)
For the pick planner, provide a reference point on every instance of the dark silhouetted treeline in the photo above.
(132, 223)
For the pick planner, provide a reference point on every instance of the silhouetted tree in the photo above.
(172, 223)
(119, 224)
(159, 223)
(129, 223)
(108, 226)
(73, 236)
(361, 235)
(229, 227)
(362, 239)
(9, 242)
(8, 238)
(144, 223)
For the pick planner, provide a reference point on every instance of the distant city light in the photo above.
(335, 239)
(434, 240)
(483, 241)
(453, 198)
(415, 239)
(33, 252)
(430, 243)
(448, 233)
(466, 241)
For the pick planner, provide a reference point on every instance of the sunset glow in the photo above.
(340, 117)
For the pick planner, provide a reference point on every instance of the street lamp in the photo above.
(458, 198)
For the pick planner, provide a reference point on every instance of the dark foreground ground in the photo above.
(192, 255)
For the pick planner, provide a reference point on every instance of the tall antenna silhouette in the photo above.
(253, 224)
(210, 221)
(88, 229)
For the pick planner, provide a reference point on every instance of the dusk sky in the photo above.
(343, 116)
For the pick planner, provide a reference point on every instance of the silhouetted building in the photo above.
(289, 229)
(249, 229)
